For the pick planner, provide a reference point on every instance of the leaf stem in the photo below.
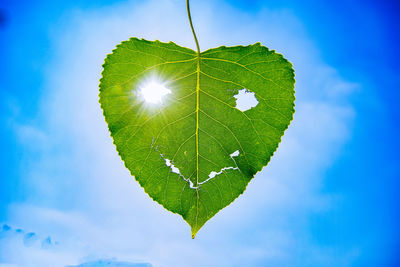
(191, 26)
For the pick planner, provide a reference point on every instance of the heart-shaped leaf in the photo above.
(173, 117)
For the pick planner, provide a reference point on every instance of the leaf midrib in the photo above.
(197, 135)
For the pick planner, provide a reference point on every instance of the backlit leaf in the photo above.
(173, 118)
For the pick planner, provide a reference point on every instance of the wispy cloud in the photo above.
(79, 192)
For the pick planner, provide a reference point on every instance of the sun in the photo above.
(153, 92)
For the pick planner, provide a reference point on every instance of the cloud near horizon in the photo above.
(79, 192)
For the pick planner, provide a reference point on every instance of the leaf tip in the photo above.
(194, 233)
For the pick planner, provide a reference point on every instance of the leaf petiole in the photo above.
(191, 26)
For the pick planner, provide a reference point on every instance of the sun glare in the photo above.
(153, 92)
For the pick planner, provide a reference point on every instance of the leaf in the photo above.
(195, 152)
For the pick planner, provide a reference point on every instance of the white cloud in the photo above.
(79, 192)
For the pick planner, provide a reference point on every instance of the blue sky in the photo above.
(329, 197)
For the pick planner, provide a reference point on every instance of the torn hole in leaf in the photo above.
(234, 154)
(174, 169)
(214, 173)
(172, 166)
(245, 100)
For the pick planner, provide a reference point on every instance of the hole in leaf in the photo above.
(174, 169)
(172, 166)
(234, 154)
(245, 100)
(213, 173)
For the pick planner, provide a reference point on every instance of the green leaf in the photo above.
(195, 152)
